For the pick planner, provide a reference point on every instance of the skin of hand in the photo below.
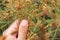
(22, 30)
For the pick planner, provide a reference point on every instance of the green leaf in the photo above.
(34, 20)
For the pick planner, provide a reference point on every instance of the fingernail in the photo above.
(24, 23)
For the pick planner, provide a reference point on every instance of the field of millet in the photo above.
(43, 17)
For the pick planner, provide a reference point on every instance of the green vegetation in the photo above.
(43, 17)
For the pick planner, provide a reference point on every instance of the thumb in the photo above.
(23, 27)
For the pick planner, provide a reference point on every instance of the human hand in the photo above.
(22, 31)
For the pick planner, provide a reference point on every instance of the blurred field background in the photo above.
(43, 17)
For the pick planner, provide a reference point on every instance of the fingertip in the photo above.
(24, 23)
